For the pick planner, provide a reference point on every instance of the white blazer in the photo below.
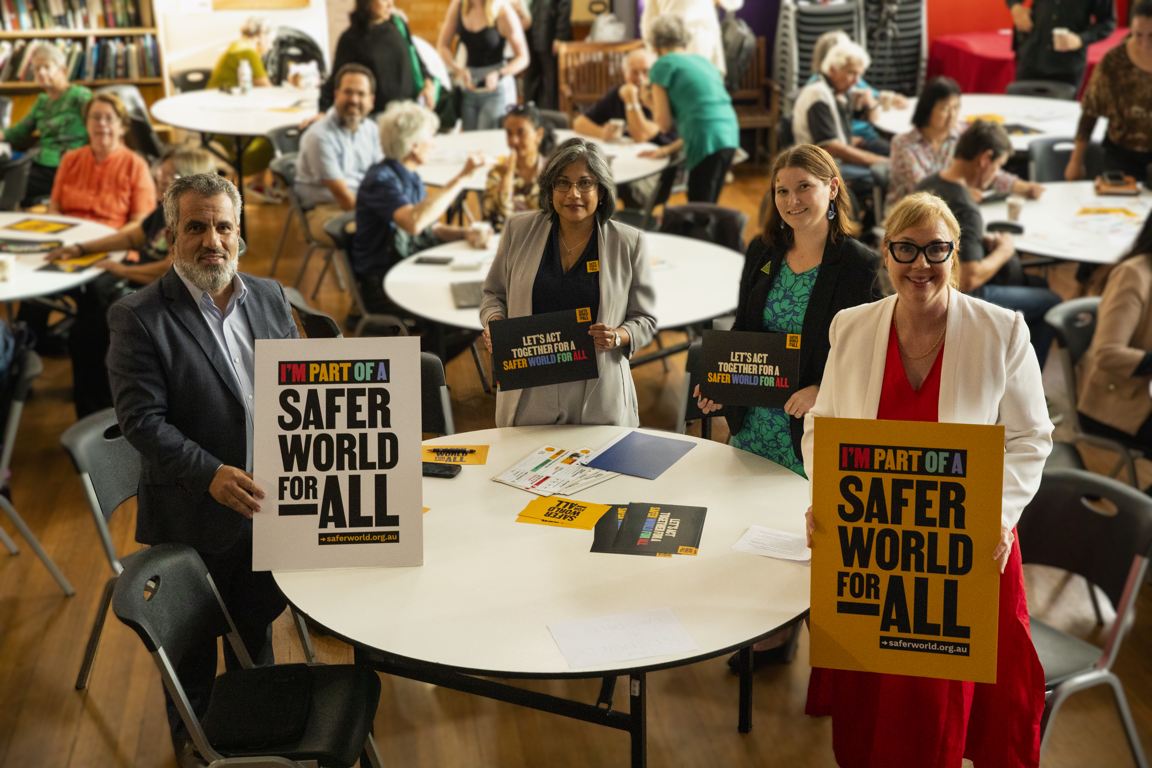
(989, 375)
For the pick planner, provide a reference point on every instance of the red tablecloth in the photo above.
(983, 62)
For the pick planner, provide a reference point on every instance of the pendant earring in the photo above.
(831, 210)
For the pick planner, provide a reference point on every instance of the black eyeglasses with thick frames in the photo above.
(936, 252)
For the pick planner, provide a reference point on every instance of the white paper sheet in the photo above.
(770, 542)
(621, 637)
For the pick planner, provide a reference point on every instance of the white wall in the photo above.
(195, 36)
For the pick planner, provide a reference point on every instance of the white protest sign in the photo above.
(337, 454)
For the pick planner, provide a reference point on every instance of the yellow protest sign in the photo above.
(907, 518)
(455, 454)
(565, 513)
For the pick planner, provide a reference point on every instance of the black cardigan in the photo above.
(847, 278)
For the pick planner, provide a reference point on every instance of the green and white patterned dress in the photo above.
(768, 431)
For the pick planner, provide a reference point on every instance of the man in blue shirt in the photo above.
(337, 150)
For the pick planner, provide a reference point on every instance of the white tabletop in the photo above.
(452, 149)
(1052, 117)
(490, 586)
(252, 114)
(25, 282)
(694, 281)
(1058, 226)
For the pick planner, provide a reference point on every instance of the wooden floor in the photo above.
(119, 721)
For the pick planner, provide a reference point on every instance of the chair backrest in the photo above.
(689, 411)
(317, 325)
(586, 71)
(286, 140)
(705, 221)
(755, 80)
(26, 368)
(557, 121)
(5, 112)
(14, 182)
(100, 452)
(191, 80)
(1074, 323)
(342, 229)
(1047, 159)
(166, 596)
(435, 403)
(1061, 527)
(141, 135)
(1048, 89)
(285, 166)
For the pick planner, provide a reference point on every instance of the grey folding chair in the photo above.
(285, 140)
(341, 229)
(284, 169)
(284, 715)
(1063, 528)
(26, 368)
(109, 470)
(141, 134)
(435, 403)
(1047, 159)
(1074, 323)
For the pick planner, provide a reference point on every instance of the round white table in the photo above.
(694, 281)
(24, 281)
(1053, 118)
(1061, 224)
(241, 116)
(452, 150)
(489, 587)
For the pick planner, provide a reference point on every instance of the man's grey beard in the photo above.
(207, 277)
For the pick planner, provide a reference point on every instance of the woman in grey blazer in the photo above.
(567, 255)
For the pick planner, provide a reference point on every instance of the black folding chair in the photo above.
(643, 219)
(27, 367)
(341, 229)
(1063, 527)
(1048, 89)
(705, 221)
(435, 403)
(317, 325)
(1047, 159)
(109, 470)
(301, 713)
(191, 80)
(14, 182)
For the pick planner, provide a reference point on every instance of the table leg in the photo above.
(745, 724)
(604, 700)
(639, 717)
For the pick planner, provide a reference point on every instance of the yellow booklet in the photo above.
(564, 513)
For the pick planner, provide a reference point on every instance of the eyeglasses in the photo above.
(585, 186)
(936, 252)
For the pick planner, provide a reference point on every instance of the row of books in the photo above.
(23, 15)
(92, 58)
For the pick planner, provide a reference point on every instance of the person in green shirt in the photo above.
(689, 88)
(256, 39)
(56, 115)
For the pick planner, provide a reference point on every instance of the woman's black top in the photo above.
(485, 48)
(847, 278)
(556, 290)
(384, 50)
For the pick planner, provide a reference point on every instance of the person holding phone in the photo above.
(484, 27)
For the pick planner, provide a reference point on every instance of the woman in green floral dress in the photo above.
(802, 269)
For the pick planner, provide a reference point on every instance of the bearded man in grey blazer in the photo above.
(181, 369)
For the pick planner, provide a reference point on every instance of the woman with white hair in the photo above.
(823, 115)
(395, 215)
(687, 88)
(56, 116)
(700, 18)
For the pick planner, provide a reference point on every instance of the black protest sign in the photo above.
(551, 348)
(748, 368)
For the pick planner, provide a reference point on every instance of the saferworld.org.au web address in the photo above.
(923, 646)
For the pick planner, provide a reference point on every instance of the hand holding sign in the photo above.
(705, 405)
(488, 335)
(235, 489)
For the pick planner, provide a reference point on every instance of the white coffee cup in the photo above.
(886, 98)
(1015, 207)
(482, 233)
(1058, 32)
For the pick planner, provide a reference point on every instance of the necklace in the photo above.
(560, 237)
(931, 349)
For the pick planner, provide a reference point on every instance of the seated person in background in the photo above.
(1042, 55)
(56, 116)
(822, 115)
(989, 266)
(869, 96)
(395, 215)
(1113, 375)
(513, 185)
(104, 181)
(337, 151)
(256, 39)
(928, 148)
(148, 239)
(378, 38)
(1120, 89)
(630, 102)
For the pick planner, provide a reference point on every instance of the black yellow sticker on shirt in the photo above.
(594, 266)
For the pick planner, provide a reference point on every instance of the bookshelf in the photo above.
(106, 42)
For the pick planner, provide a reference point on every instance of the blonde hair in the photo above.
(492, 9)
(821, 165)
(924, 208)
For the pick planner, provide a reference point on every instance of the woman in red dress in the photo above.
(930, 353)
